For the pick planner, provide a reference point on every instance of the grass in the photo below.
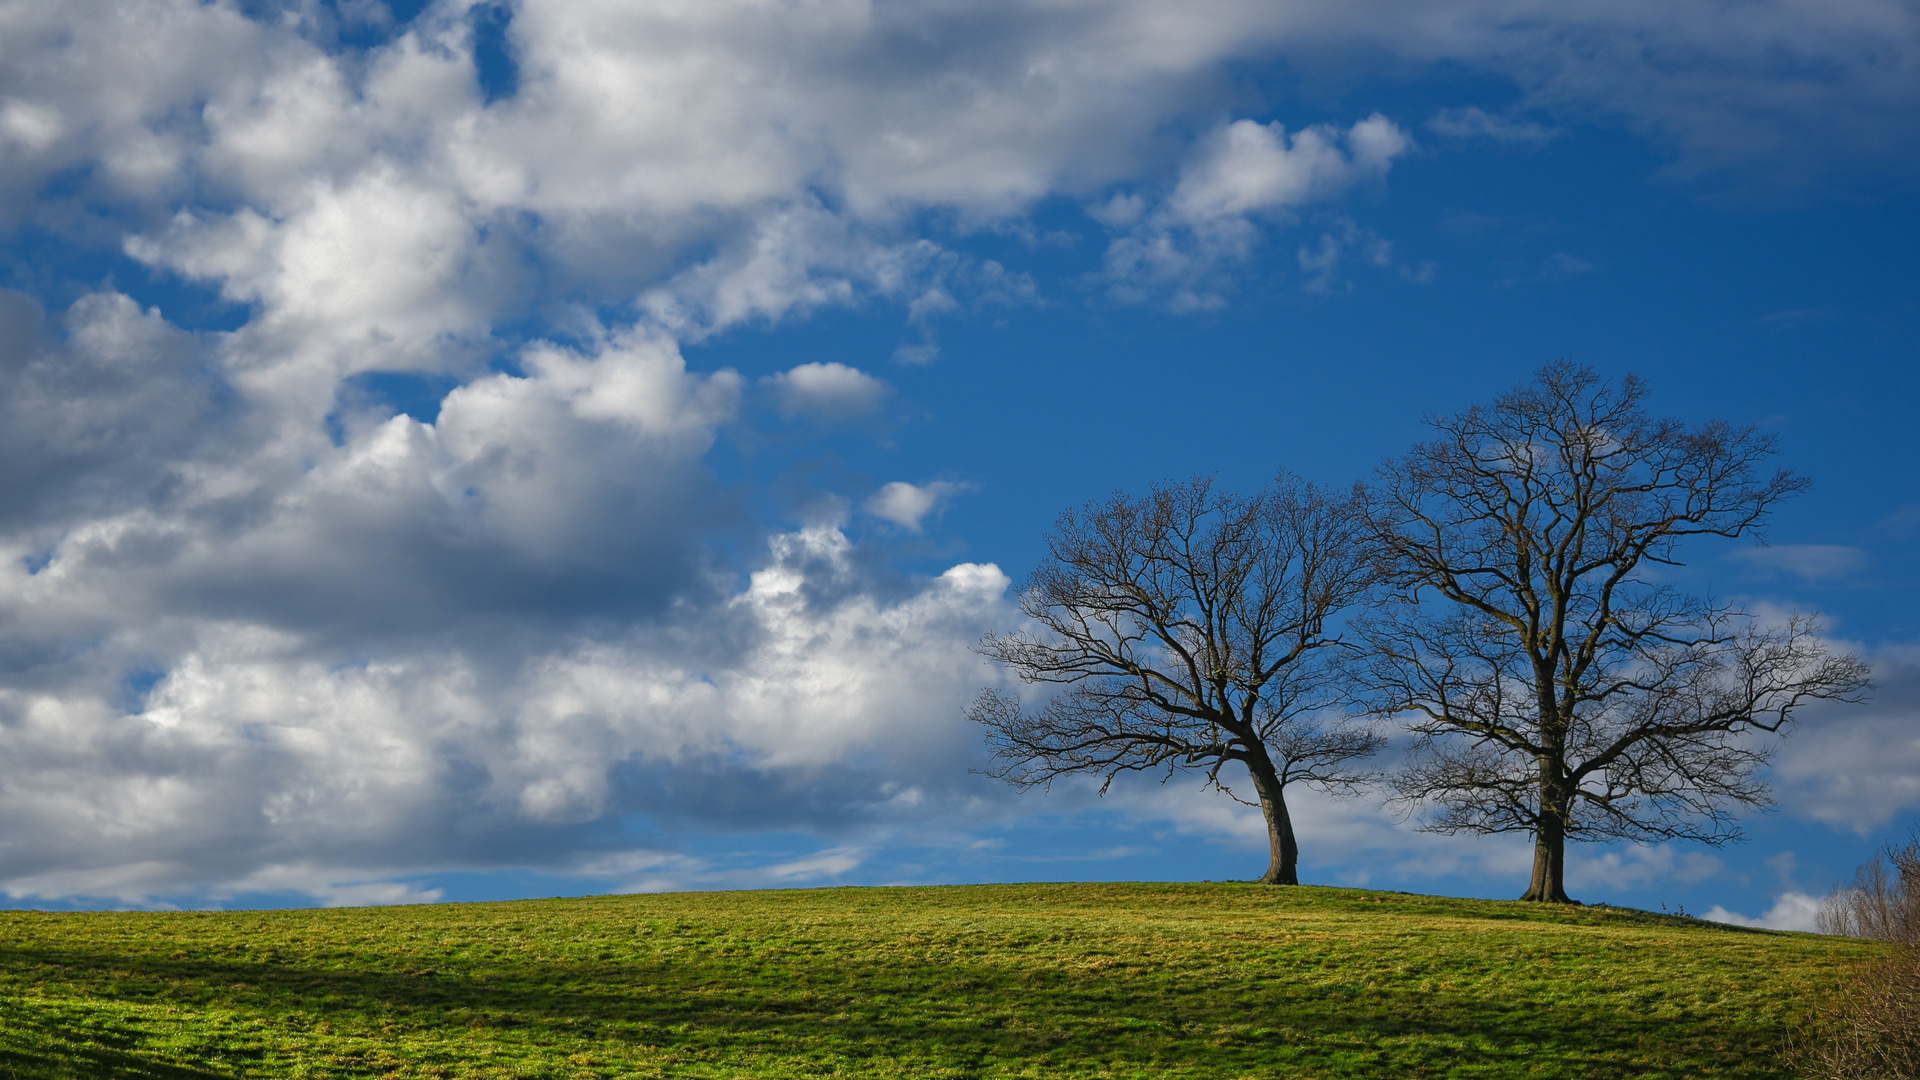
(973, 981)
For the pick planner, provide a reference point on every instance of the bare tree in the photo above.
(1882, 902)
(1558, 688)
(1869, 1027)
(1188, 628)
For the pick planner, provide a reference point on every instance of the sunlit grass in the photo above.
(1000, 980)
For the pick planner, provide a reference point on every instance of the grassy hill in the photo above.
(974, 981)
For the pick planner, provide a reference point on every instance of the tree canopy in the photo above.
(1555, 685)
(1190, 629)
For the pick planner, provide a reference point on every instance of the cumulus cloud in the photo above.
(1790, 911)
(829, 391)
(230, 669)
(259, 634)
(103, 407)
(368, 275)
(792, 143)
(1857, 767)
(1637, 866)
(263, 759)
(132, 131)
(908, 505)
(1238, 174)
(1247, 167)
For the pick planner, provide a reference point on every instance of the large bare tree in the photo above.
(1189, 629)
(1559, 686)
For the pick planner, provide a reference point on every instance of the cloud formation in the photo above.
(262, 758)
(1474, 122)
(1858, 768)
(1790, 911)
(259, 631)
(829, 391)
(1238, 175)
(1809, 562)
(1246, 167)
(907, 505)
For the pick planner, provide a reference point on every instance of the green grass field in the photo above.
(999, 980)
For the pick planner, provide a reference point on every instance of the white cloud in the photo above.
(258, 634)
(1810, 562)
(829, 391)
(1856, 767)
(639, 135)
(1637, 866)
(916, 354)
(256, 744)
(1473, 122)
(32, 128)
(907, 505)
(638, 117)
(1121, 211)
(367, 275)
(424, 645)
(98, 86)
(651, 871)
(103, 410)
(1790, 911)
(1238, 174)
(1247, 167)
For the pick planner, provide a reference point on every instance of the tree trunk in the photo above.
(1549, 884)
(1550, 853)
(1283, 864)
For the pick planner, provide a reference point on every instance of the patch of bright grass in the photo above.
(971, 981)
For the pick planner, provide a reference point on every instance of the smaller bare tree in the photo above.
(1190, 629)
(1883, 901)
(1871, 1027)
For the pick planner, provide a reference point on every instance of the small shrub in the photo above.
(1871, 1029)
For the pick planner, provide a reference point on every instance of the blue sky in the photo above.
(563, 447)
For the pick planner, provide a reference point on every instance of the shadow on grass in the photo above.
(33, 1051)
(945, 1012)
